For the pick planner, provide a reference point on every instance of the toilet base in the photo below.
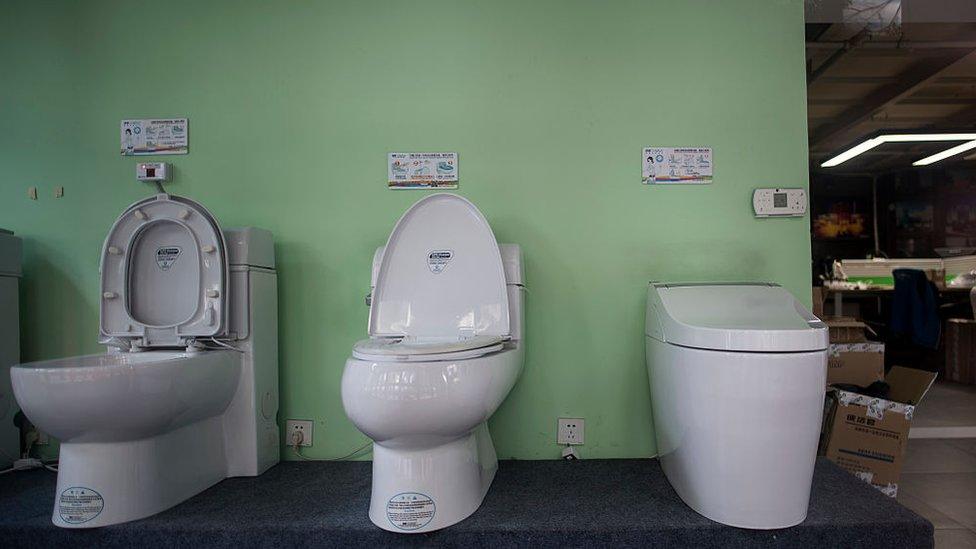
(421, 490)
(103, 483)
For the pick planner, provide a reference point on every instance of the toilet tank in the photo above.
(514, 279)
(249, 250)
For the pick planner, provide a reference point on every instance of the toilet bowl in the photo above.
(445, 349)
(187, 394)
(737, 375)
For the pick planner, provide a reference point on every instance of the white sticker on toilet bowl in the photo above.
(410, 510)
(78, 504)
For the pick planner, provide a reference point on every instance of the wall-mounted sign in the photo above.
(422, 170)
(682, 165)
(154, 136)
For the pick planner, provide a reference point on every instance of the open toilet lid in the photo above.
(441, 275)
(163, 273)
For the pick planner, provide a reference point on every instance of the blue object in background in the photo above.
(915, 310)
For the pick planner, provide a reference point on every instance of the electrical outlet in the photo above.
(569, 430)
(295, 428)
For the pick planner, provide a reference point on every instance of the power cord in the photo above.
(297, 437)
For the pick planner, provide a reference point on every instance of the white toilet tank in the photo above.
(737, 376)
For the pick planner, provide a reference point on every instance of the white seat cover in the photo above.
(441, 275)
(164, 268)
(422, 348)
(757, 317)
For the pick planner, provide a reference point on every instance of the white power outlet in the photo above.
(295, 428)
(569, 430)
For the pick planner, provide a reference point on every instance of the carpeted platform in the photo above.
(624, 503)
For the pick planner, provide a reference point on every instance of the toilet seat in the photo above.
(441, 275)
(164, 274)
(411, 349)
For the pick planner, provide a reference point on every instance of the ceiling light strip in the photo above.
(869, 144)
(945, 154)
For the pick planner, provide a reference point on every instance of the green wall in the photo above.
(294, 105)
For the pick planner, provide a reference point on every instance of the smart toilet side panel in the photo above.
(742, 441)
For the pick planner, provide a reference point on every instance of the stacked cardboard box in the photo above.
(852, 359)
(960, 345)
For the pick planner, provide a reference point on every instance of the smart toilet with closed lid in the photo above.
(193, 364)
(444, 350)
(736, 373)
(164, 274)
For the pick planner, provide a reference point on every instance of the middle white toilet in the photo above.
(444, 349)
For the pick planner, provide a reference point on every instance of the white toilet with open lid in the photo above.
(188, 394)
(737, 374)
(444, 351)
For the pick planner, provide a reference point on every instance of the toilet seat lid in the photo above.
(441, 275)
(426, 349)
(738, 316)
(164, 273)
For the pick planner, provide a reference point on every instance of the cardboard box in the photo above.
(858, 364)
(846, 329)
(960, 346)
(867, 436)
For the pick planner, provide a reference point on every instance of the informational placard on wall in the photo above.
(154, 136)
(676, 165)
(422, 170)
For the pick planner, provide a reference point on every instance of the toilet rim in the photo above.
(123, 362)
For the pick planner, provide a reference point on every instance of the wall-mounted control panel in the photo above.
(779, 202)
(153, 171)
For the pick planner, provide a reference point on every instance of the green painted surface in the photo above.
(294, 105)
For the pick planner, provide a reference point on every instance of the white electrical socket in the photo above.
(569, 430)
(298, 427)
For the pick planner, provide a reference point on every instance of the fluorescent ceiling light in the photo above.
(865, 146)
(945, 154)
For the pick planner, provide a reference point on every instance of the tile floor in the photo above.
(939, 483)
(939, 477)
(947, 411)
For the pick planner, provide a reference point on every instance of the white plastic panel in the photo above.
(441, 274)
(733, 317)
(164, 273)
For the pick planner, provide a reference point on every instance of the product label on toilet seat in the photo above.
(438, 259)
(166, 256)
(78, 504)
(410, 510)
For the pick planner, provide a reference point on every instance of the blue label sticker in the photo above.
(410, 510)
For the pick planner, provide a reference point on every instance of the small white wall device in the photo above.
(153, 171)
(779, 202)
